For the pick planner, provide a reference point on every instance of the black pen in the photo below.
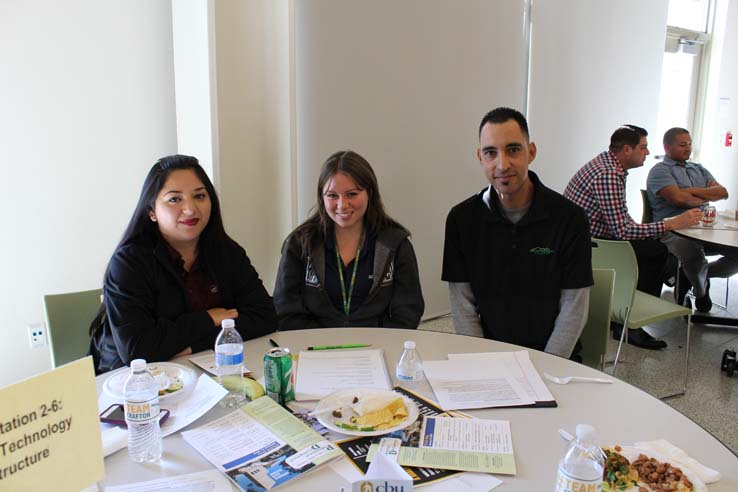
(275, 344)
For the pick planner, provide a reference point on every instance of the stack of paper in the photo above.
(320, 373)
(489, 379)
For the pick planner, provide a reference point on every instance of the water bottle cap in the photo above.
(138, 365)
(409, 344)
(585, 432)
(228, 323)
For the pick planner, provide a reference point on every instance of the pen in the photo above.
(274, 344)
(347, 345)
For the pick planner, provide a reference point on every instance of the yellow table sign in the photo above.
(50, 431)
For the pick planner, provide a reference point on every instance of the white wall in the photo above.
(721, 107)
(252, 45)
(86, 91)
(595, 65)
(405, 84)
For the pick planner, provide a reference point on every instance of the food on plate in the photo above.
(661, 477)
(618, 474)
(643, 474)
(166, 383)
(380, 412)
(371, 413)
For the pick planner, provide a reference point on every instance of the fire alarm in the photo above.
(728, 139)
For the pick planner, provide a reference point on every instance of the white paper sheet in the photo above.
(476, 435)
(459, 384)
(205, 481)
(206, 361)
(182, 413)
(517, 364)
(322, 372)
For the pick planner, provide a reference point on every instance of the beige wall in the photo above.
(87, 102)
(253, 118)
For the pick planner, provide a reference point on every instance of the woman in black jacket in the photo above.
(176, 275)
(349, 263)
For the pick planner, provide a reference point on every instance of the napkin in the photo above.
(113, 438)
(680, 458)
(383, 467)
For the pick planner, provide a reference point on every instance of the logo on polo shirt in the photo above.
(541, 251)
(311, 278)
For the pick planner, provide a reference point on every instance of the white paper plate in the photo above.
(631, 454)
(113, 386)
(343, 399)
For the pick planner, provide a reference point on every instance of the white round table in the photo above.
(621, 413)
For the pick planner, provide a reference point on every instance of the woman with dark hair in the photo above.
(176, 275)
(349, 263)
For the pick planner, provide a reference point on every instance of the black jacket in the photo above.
(148, 313)
(395, 299)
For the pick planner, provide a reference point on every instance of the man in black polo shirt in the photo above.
(517, 255)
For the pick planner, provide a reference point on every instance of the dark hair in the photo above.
(142, 228)
(672, 133)
(627, 135)
(357, 168)
(141, 225)
(503, 114)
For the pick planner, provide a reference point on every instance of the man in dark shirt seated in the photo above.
(517, 255)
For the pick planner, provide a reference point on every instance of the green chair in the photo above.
(630, 307)
(596, 331)
(68, 318)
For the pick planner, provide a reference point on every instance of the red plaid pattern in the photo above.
(599, 188)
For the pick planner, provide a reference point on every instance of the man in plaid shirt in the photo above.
(599, 188)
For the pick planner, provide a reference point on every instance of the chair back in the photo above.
(618, 256)
(68, 318)
(647, 216)
(596, 331)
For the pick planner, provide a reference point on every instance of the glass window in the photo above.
(676, 99)
(689, 14)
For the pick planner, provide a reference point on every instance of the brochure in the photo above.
(476, 445)
(261, 445)
(357, 449)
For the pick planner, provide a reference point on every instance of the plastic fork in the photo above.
(575, 379)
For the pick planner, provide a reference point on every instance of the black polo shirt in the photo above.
(517, 271)
(364, 273)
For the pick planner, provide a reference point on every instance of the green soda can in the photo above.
(279, 376)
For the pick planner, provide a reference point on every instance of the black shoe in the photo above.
(704, 303)
(638, 337)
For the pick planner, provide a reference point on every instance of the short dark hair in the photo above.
(503, 114)
(672, 133)
(627, 135)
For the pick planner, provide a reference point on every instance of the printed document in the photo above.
(462, 384)
(519, 366)
(205, 481)
(475, 445)
(261, 445)
(322, 372)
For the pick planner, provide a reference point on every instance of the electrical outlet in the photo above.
(37, 335)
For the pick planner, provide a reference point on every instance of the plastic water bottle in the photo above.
(229, 364)
(580, 469)
(141, 393)
(410, 365)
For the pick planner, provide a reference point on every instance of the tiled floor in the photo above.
(712, 397)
